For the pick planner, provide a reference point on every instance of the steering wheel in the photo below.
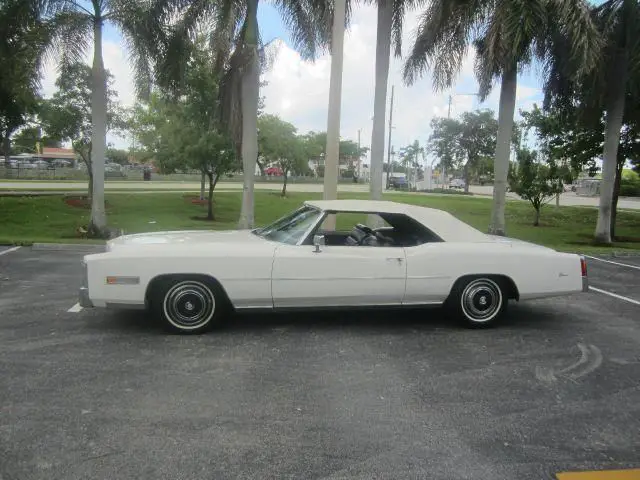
(385, 240)
(365, 229)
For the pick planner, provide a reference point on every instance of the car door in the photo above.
(338, 276)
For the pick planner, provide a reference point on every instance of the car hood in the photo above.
(183, 237)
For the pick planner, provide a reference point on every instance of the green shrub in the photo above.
(630, 187)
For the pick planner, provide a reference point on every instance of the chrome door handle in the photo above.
(397, 259)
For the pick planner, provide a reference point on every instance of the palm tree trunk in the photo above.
(383, 53)
(466, 177)
(210, 202)
(331, 163)
(284, 184)
(614, 200)
(250, 88)
(6, 147)
(615, 111)
(98, 221)
(501, 162)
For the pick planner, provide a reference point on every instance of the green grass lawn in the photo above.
(25, 220)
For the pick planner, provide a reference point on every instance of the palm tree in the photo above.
(608, 88)
(410, 157)
(508, 35)
(390, 24)
(240, 55)
(75, 24)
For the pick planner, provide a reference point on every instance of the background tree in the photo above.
(533, 181)
(574, 141)
(280, 144)
(477, 139)
(182, 131)
(605, 91)
(23, 36)
(239, 57)
(410, 158)
(30, 139)
(444, 142)
(119, 156)
(463, 143)
(507, 35)
(67, 115)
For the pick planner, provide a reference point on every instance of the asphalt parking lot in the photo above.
(103, 394)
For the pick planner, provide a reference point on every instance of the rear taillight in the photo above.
(583, 266)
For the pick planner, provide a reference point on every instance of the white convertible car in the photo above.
(414, 256)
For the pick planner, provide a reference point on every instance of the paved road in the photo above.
(104, 395)
(568, 198)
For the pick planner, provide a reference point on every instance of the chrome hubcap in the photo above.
(189, 305)
(481, 300)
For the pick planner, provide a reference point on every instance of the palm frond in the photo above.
(72, 32)
(299, 17)
(143, 36)
(444, 31)
(400, 9)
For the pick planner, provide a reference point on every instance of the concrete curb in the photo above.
(68, 247)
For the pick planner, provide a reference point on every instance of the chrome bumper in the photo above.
(83, 298)
(83, 294)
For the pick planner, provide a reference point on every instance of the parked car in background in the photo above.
(456, 183)
(192, 280)
(273, 171)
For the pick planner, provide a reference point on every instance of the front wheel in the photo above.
(478, 302)
(188, 306)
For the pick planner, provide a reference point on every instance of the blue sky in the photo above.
(298, 90)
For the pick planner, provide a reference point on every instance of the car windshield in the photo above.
(291, 228)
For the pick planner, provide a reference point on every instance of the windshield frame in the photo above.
(321, 214)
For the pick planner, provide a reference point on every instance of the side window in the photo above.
(345, 229)
(407, 232)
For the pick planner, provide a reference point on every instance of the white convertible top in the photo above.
(442, 223)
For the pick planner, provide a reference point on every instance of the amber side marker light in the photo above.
(123, 280)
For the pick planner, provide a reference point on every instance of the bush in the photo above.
(630, 188)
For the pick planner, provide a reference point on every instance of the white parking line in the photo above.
(613, 263)
(75, 309)
(13, 249)
(615, 295)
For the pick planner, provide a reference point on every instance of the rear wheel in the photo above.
(188, 305)
(478, 302)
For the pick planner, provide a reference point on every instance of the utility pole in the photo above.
(359, 155)
(390, 128)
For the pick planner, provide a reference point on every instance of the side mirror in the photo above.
(318, 241)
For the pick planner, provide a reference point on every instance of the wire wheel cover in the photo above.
(189, 305)
(481, 300)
